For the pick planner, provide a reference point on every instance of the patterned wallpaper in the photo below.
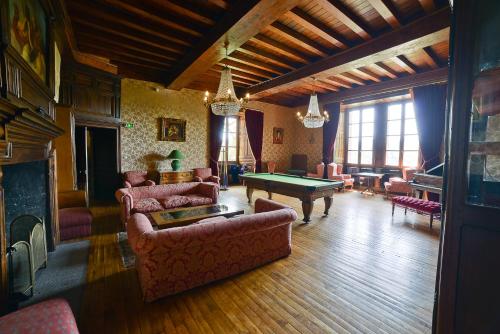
(143, 106)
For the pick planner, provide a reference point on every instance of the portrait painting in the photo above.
(278, 135)
(28, 33)
(173, 129)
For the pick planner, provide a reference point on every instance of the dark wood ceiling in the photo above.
(275, 47)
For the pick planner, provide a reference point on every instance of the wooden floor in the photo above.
(356, 271)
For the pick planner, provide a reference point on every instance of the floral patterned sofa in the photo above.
(166, 196)
(173, 260)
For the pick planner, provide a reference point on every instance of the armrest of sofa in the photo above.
(266, 205)
(72, 199)
(126, 201)
(214, 179)
(208, 190)
(149, 183)
(127, 184)
(197, 179)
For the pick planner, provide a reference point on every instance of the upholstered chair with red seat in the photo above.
(75, 218)
(137, 178)
(173, 260)
(320, 168)
(51, 316)
(271, 167)
(400, 185)
(205, 175)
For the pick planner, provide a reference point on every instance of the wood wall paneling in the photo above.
(65, 146)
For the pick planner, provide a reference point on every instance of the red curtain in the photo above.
(329, 134)
(254, 121)
(430, 107)
(216, 132)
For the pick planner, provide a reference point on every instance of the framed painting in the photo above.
(28, 34)
(173, 129)
(278, 135)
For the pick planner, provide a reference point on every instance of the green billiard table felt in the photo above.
(291, 179)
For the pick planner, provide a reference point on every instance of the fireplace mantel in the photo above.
(25, 135)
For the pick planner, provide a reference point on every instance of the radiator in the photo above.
(32, 230)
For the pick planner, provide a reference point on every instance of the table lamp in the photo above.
(175, 155)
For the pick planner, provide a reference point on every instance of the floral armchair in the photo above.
(205, 175)
(137, 178)
(400, 185)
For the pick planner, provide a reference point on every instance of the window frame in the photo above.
(360, 135)
(402, 134)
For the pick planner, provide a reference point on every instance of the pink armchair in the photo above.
(205, 175)
(398, 185)
(177, 259)
(334, 172)
(138, 178)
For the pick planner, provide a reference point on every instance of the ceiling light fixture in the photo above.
(313, 118)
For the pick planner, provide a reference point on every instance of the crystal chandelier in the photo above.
(313, 118)
(225, 102)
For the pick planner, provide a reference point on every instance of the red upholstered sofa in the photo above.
(173, 260)
(166, 196)
(138, 178)
(52, 316)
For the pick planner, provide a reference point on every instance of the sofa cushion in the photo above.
(195, 200)
(147, 205)
(174, 201)
(69, 217)
(212, 220)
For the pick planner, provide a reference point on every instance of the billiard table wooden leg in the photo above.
(249, 194)
(270, 195)
(307, 208)
(328, 204)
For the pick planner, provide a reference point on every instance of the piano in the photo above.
(430, 181)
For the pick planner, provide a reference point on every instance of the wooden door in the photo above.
(469, 275)
(81, 158)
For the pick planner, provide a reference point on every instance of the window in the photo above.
(360, 136)
(402, 137)
(232, 144)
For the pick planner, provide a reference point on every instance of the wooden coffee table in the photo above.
(185, 216)
(370, 189)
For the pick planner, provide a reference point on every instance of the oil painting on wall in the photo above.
(28, 33)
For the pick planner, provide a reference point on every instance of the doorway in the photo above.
(97, 162)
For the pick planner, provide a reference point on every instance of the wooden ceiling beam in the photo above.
(366, 74)
(386, 69)
(319, 28)
(145, 13)
(246, 68)
(423, 32)
(243, 20)
(342, 13)
(351, 78)
(338, 82)
(185, 9)
(301, 40)
(271, 57)
(241, 74)
(387, 10)
(427, 5)
(420, 79)
(406, 64)
(242, 58)
(326, 85)
(106, 16)
(235, 78)
(140, 72)
(431, 58)
(282, 48)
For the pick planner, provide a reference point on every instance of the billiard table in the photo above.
(306, 189)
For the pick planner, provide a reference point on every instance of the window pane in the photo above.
(232, 154)
(368, 115)
(392, 158)
(353, 116)
(232, 139)
(367, 129)
(411, 142)
(393, 143)
(411, 127)
(366, 157)
(410, 158)
(353, 143)
(394, 127)
(367, 143)
(231, 122)
(394, 112)
(354, 130)
(409, 111)
(352, 157)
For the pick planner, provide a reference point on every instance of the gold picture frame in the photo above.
(278, 134)
(173, 129)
